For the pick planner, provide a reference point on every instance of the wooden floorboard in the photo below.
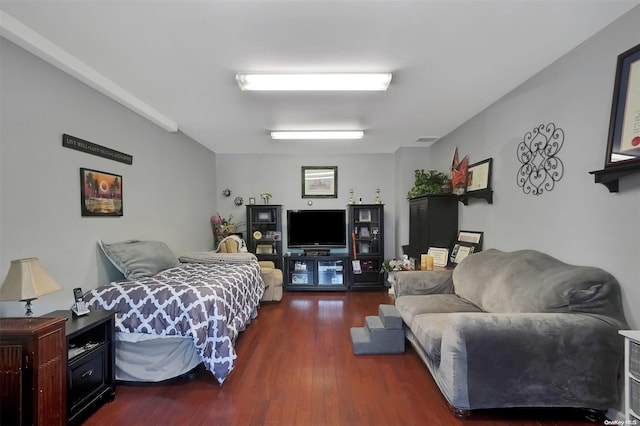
(295, 367)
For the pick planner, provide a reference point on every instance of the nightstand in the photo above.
(91, 358)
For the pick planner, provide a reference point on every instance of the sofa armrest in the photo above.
(554, 359)
(423, 282)
(267, 264)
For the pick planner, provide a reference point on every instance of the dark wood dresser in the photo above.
(33, 371)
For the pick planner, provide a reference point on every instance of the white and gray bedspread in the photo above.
(210, 301)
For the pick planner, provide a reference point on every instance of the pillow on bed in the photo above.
(138, 259)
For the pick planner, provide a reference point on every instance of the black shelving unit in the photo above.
(366, 246)
(264, 232)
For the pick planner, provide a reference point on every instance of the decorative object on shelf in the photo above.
(459, 171)
(446, 187)
(427, 183)
(265, 197)
(541, 168)
(479, 176)
(252, 200)
(403, 264)
(378, 199)
(440, 256)
(226, 192)
(351, 200)
(26, 281)
(223, 227)
(238, 201)
(426, 262)
(468, 242)
(319, 181)
(623, 144)
(257, 235)
(100, 193)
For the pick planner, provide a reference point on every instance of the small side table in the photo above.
(91, 370)
(631, 375)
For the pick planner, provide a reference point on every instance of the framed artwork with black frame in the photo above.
(100, 193)
(623, 145)
(319, 181)
(468, 242)
(479, 176)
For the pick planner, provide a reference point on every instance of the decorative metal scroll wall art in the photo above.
(538, 152)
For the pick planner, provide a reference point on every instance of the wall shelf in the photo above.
(485, 194)
(609, 176)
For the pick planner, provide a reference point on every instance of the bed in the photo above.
(173, 314)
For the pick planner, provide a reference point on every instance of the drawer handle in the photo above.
(87, 373)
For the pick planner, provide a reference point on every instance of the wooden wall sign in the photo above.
(78, 144)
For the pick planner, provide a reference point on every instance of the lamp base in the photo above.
(27, 306)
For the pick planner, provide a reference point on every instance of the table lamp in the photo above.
(26, 281)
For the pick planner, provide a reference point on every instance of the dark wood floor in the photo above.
(295, 367)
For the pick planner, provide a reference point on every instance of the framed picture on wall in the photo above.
(100, 193)
(319, 182)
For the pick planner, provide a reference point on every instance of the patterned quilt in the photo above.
(208, 302)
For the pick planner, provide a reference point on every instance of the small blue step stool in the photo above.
(382, 334)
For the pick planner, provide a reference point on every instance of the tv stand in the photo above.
(317, 252)
(319, 273)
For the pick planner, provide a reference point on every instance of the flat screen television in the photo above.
(308, 229)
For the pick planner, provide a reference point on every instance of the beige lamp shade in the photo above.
(27, 280)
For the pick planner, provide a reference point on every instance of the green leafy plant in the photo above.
(429, 182)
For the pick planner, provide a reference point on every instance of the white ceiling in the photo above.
(450, 59)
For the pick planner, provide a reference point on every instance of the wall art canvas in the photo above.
(101, 193)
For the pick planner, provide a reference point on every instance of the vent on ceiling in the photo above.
(427, 141)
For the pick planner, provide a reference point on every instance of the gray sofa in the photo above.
(518, 329)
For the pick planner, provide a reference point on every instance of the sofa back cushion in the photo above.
(530, 281)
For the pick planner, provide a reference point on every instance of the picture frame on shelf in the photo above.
(364, 232)
(252, 200)
(364, 215)
(471, 237)
(460, 252)
(264, 249)
(319, 181)
(264, 216)
(623, 144)
(479, 176)
(100, 193)
(440, 256)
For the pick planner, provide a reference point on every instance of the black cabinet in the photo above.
(264, 232)
(433, 222)
(91, 354)
(319, 273)
(366, 231)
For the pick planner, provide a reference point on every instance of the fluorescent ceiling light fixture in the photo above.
(314, 82)
(319, 135)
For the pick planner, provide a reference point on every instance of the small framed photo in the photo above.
(264, 249)
(319, 182)
(471, 237)
(440, 256)
(364, 232)
(479, 176)
(461, 252)
(252, 200)
(264, 216)
(364, 215)
(100, 193)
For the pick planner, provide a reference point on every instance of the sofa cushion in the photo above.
(411, 306)
(531, 281)
(427, 330)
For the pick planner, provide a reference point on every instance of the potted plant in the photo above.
(428, 183)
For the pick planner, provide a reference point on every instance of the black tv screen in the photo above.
(316, 228)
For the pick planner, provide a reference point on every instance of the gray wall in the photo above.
(168, 191)
(578, 221)
(249, 175)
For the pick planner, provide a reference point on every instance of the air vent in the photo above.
(427, 141)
